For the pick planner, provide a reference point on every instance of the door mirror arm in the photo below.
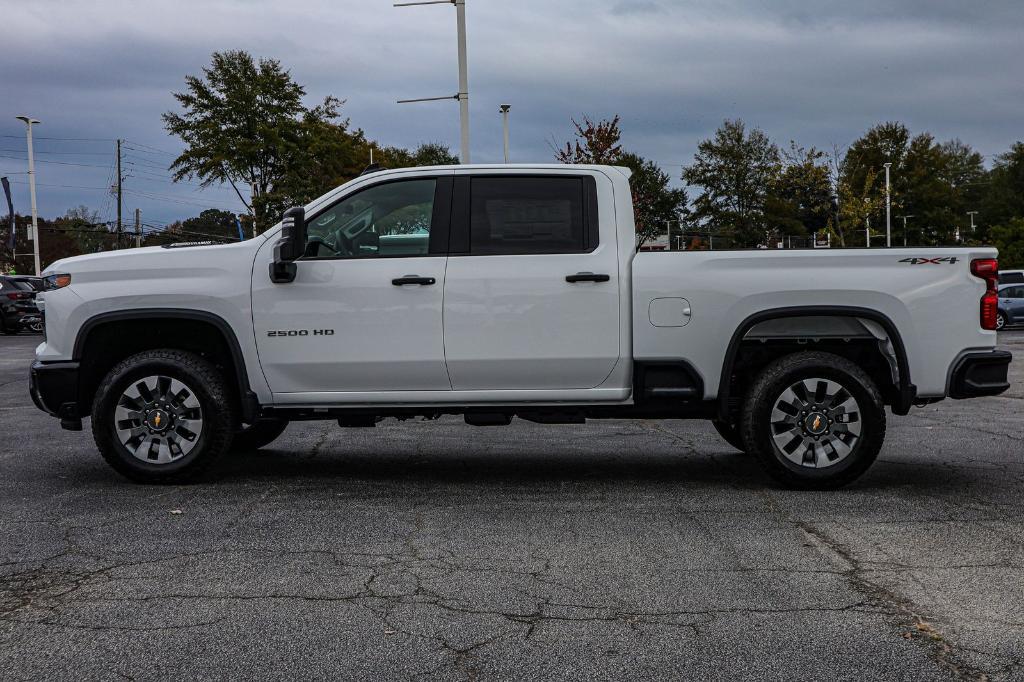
(290, 246)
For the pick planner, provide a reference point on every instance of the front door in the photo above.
(364, 311)
(532, 290)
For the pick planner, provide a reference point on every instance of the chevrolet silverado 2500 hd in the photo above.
(506, 291)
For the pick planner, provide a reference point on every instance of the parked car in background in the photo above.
(18, 309)
(35, 282)
(1011, 306)
(1011, 277)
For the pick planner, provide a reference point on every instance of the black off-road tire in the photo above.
(207, 385)
(730, 433)
(771, 384)
(254, 436)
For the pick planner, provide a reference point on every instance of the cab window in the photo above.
(385, 220)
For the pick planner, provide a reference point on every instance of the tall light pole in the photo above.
(504, 109)
(463, 95)
(905, 226)
(888, 208)
(32, 188)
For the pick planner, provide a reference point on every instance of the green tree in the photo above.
(1003, 197)
(935, 182)
(736, 172)
(242, 124)
(212, 223)
(1009, 239)
(800, 202)
(655, 203)
(83, 225)
(597, 143)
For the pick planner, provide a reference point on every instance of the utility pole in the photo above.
(138, 228)
(905, 226)
(463, 95)
(888, 208)
(117, 238)
(32, 190)
(504, 109)
(867, 233)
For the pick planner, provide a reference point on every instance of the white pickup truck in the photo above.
(506, 291)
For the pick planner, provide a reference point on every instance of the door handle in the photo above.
(413, 279)
(586, 277)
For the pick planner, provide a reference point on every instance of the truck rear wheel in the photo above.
(814, 420)
(162, 416)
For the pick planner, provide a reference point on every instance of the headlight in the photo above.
(59, 281)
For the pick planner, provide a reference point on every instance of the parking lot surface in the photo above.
(619, 549)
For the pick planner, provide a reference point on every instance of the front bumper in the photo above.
(980, 374)
(54, 390)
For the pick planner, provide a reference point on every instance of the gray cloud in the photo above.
(817, 72)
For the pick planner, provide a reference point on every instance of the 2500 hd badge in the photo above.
(300, 332)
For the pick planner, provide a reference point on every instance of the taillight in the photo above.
(18, 296)
(988, 270)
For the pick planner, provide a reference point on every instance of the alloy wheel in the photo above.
(815, 423)
(158, 419)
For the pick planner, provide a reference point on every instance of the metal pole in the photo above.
(888, 208)
(905, 226)
(117, 239)
(138, 228)
(32, 191)
(867, 232)
(971, 213)
(460, 18)
(504, 125)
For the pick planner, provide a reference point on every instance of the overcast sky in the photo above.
(819, 72)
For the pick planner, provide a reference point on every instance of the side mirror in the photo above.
(290, 246)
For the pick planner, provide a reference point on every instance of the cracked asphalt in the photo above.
(619, 549)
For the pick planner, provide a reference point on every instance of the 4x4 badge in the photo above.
(930, 261)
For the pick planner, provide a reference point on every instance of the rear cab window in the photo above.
(499, 215)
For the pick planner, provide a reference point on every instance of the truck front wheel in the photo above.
(814, 420)
(162, 416)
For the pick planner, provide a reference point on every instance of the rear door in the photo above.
(532, 288)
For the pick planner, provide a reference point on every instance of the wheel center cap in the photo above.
(158, 420)
(816, 423)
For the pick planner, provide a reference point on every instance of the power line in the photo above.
(68, 153)
(177, 200)
(59, 163)
(45, 184)
(64, 139)
(152, 149)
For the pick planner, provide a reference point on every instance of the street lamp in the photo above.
(888, 208)
(504, 109)
(463, 94)
(32, 187)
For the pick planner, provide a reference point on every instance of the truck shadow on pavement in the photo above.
(726, 468)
